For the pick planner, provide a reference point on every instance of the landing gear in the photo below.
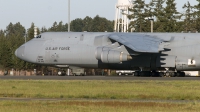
(145, 74)
(137, 73)
(180, 74)
(175, 74)
(155, 74)
(61, 73)
(170, 74)
(159, 74)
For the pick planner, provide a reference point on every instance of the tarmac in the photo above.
(95, 78)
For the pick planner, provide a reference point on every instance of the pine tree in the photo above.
(189, 24)
(138, 15)
(15, 29)
(54, 27)
(171, 14)
(86, 23)
(197, 15)
(44, 29)
(77, 25)
(1, 34)
(100, 24)
(11, 41)
(2, 38)
(60, 27)
(158, 13)
(30, 32)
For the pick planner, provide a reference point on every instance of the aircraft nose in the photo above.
(16, 52)
(20, 52)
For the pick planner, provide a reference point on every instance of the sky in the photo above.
(46, 12)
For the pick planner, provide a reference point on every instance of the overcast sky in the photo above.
(45, 12)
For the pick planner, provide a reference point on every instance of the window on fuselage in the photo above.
(39, 36)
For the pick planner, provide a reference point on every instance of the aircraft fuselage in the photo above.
(181, 53)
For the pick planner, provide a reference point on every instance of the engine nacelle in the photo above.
(112, 56)
(99, 51)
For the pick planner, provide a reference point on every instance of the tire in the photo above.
(82, 74)
(161, 74)
(173, 74)
(155, 74)
(145, 74)
(180, 74)
(183, 74)
(137, 73)
(119, 73)
(167, 74)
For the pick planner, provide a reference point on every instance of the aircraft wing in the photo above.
(140, 42)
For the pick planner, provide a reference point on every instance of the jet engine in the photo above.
(112, 56)
(99, 50)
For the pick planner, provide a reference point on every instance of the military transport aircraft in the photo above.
(149, 54)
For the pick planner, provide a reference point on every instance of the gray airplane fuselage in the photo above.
(182, 51)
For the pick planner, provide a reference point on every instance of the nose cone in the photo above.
(16, 52)
(20, 52)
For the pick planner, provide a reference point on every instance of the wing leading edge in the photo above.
(140, 42)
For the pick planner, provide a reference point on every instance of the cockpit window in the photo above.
(39, 36)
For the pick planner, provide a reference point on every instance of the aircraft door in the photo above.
(47, 56)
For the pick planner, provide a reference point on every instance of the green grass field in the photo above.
(96, 106)
(100, 95)
(165, 90)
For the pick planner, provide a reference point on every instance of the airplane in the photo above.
(149, 54)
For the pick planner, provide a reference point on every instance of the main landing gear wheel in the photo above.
(167, 74)
(161, 74)
(170, 74)
(173, 74)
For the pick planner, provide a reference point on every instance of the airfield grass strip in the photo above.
(96, 106)
(145, 90)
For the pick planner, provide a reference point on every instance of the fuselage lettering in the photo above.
(57, 48)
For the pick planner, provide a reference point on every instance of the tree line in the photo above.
(165, 15)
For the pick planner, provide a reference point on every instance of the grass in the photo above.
(96, 106)
(146, 90)
(100, 96)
